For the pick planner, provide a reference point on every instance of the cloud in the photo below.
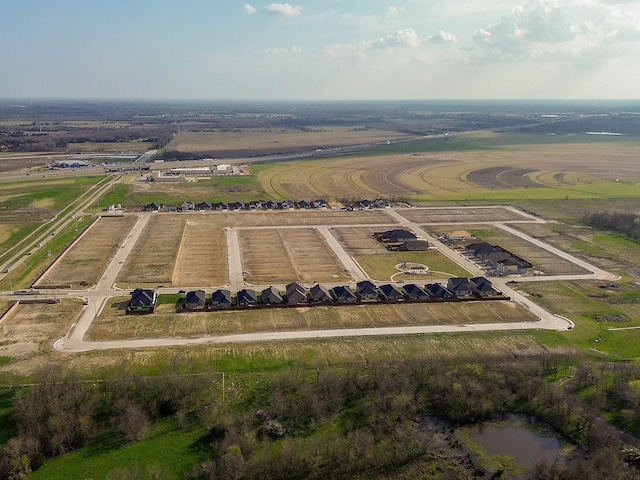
(442, 37)
(284, 51)
(249, 9)
(402, 38)
(283, 9)
(394, 10)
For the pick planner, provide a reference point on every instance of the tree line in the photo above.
(390, 419)
(625, 223)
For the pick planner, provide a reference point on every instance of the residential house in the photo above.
(303, 204)
(483, 287)
(143, 300)
(366, 290)
(286, 204)
(461, 287)
(271, 296)
(390, 293)
(221, 299)
(222, 206)
(414, 246)
(204, 206)
(187, 206)
(381, 203)
(270, 205)
(344, 294)
(414, 292)
(437, 291)
(152, 207)
(319, 203)
(255, 205)
(237, 206)
(195, 299)
(247, 297)
(296, 294)
(365, 203)
(397, 235)
(320, 294)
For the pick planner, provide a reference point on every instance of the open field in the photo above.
(460, 215)
(113, 324)
(358, 241)
(8, 164)
(279, 139)
(202, 260)
(85, 262)
(31, 328)
(137, 146)
(500, 173)
(383, 266)
(154, 255)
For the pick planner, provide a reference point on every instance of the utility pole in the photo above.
(10, 284)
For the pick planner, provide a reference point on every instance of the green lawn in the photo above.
(381, 267)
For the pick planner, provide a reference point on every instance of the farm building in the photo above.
(221, 299)
(143, 300)
(320, 294)
(195, 299)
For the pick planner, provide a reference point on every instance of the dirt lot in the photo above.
(154, 255)
(286, 255)
(357, 241)
(460, 215)
(31, 328)
(203, 256)
(85, 262)
(114, 324)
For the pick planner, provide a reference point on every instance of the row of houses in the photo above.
(495, 259)
(261, 205)
(296, 294)
(402, 240)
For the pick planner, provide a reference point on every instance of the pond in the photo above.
(526, 447)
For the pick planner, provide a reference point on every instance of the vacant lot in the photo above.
(85, 262)
(358, 241)
(286, 255)
(114, 324)
(273, 140)
(31, 328)
(153, 257)
(459, 215)
(203, 256)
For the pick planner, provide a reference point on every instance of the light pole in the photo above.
(10, 284)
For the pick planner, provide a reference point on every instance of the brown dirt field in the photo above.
(86, 261)
(357, 241)
(113, 324)
(31, 328)
(459, 215)
(153, 257)
(275, 139)
(265, 257)
(315, 261)
(286, 255)
(203, 257)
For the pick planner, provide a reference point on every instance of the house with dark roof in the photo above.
(390, 293)
(320, 294)
(397, 235)
(497, 257)
(152, 207)
(270, 205)
(221, 206)
(381, 203)
(414, 246)
(437, 291)
(296, 294)
(365, 203)
(271, 296)
(186, 206)
(221, 299)
(303, 204)
(484, 287)
(204, 206)
(344, 294)
(237, 206)
(367, 290)
(255, 205)
(286, 204)
(414, 292)
(143, 300)
(195, 300)
(247, 297)
(461, 287)
(319, 203)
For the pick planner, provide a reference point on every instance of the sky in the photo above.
(320, 50)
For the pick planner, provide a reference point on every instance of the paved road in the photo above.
(355, 271)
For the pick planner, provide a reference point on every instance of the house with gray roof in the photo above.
(247, 297)
(221, 299)
(367, 290)
(271, 296)
(437, 291)
(143, 300)
(461, 287)
(344, 294)
(320, 294)
(414, 292)
(296, 294)
(195, 300)
(390, 293)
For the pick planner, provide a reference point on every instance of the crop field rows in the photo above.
(85, 262)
